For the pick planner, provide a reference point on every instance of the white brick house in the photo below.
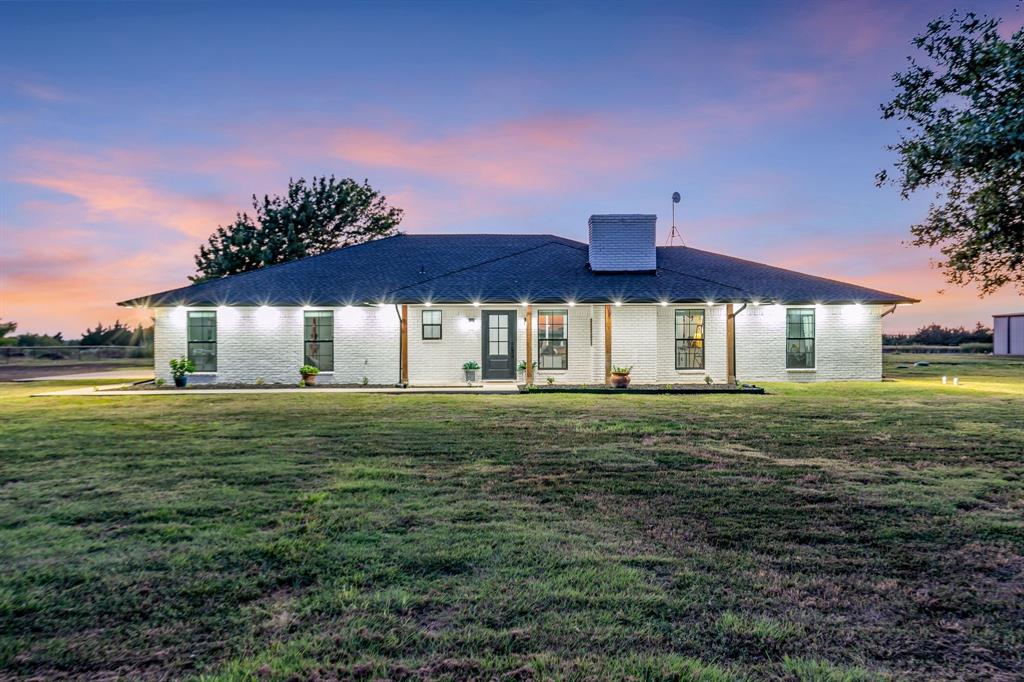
(412, 309)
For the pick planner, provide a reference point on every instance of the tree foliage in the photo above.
(937, 335)
(5, 329)
(310, 219)
(41, 339)
(963, 104)
(118, 334)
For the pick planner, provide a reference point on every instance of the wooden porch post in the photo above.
(529, 344)
(607, 344)
(404, 343)
(730, 345)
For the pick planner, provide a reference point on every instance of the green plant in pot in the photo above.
(470, 368)
(180, 369)
(521, 370)
(620, 376)
(309, 373)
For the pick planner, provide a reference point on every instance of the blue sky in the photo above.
(129, 131)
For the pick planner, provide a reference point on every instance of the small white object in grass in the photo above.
(943, 379)
(956, 381)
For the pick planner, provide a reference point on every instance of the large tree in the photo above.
(962, 100)
(311, 218)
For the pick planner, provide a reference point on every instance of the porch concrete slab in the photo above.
(111, 390)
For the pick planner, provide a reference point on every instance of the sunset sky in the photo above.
(128, 132)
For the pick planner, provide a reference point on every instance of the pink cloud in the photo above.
(110, 189)
(854, 29)
(67, 281)
(39, 91)
(539, 154)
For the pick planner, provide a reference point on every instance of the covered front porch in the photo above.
(565, 343)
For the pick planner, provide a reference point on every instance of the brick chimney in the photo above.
(622, 243)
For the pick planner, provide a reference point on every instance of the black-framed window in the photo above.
(553, 339)
(690, 338)
(318, 339)
(800, 338)
(202, 339)
(431, 325)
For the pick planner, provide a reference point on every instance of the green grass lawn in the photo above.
(821, 532)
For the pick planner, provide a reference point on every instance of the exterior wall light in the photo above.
(709, 303)
(524, 303)
(428, 303)
(664, 303)
(476, 304)
(572, 304)
(618, 304)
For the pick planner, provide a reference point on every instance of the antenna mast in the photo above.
(674, 234)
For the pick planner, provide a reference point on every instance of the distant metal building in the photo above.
(1008, 334)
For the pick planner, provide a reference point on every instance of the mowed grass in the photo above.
(821, 532)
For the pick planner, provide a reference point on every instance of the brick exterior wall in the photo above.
(848, 344)
(266, 343)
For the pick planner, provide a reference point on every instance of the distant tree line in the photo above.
(117, 334)
(937, 335)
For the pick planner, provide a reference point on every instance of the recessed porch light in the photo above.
(618, 303)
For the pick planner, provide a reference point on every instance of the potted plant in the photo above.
(521, 370)
(309, 373)
(180, 369)
(471, 367)
(620, 376)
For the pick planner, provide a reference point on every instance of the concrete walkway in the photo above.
(130, 374)
(110, 390)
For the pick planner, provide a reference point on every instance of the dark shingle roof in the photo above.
(503, 268)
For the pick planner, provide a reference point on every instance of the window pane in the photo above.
(689, 354)
(552, 339)
(690, 338)
(319, 325)
(202, 339)
(553, 354)
(800, 338)
(800, 353)
(318, 339)
(431, 320)
(204, 355)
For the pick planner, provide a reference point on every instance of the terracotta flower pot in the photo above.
(310, 379)
(620, 380)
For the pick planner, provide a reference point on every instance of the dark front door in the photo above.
(499, 338)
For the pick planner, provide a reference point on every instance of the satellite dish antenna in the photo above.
(674, 234)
